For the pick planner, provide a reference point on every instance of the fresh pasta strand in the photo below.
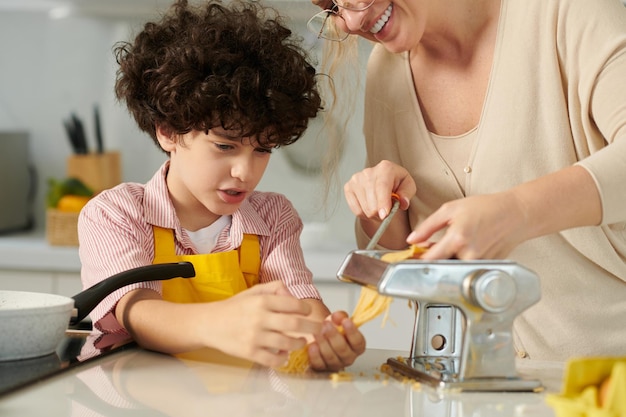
(298, 362)
(412, 252)
(370, 305)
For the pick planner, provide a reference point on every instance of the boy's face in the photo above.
(210, 175)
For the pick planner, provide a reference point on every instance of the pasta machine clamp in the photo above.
(463, 332)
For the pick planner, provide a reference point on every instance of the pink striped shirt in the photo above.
(115, 234)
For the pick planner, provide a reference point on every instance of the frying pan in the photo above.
(33, 324)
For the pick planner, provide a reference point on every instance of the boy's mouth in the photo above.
(382, 21)
(233, 196)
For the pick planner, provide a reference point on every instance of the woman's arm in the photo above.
(491, 226)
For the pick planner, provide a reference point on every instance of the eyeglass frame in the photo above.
(356, 9)
(334, 10)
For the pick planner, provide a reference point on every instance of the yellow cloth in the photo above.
(582, 397)
(218, 275)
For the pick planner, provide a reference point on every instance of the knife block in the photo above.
(99, 171)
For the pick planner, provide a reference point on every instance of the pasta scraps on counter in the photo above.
(341, 376)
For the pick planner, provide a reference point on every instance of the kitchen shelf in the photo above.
(31, 252)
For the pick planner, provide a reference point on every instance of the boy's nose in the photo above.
(240, 169)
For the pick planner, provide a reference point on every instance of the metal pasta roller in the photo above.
(463, 334)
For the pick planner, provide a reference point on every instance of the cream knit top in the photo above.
(556, 97)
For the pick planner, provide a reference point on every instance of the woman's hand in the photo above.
(368, 194)
(490, 226)
(334, 350)
(477, 227)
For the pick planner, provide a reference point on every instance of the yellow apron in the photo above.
(218, 275)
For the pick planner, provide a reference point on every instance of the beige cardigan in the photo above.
(556, 97)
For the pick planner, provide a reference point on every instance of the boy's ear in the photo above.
(166, 138)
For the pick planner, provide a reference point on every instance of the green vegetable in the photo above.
(59, 188)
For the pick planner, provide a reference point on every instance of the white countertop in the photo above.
(141, 383)
(31, 251)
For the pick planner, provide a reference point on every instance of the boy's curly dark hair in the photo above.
(235, 66)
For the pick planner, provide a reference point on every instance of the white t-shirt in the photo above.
(205, 239)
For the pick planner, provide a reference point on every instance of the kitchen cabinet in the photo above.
(29, 263)
(67, 284)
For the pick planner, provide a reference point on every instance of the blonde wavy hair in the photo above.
(340, 64)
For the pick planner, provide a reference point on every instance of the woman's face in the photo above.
(212, 173)
(397, 24)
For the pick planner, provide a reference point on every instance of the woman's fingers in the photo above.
(478, 227)
(368, 192)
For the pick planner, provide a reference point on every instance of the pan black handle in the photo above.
(87, 300)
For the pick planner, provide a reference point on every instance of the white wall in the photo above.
(51, 67)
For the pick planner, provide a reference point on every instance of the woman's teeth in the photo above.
(381, 22)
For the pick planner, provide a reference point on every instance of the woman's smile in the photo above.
(382, 20)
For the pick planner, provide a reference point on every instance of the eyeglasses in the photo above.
(322, 27)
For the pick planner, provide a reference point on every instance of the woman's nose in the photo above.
(354, 19)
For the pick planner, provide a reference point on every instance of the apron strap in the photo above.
(164, 245)
(249, 253)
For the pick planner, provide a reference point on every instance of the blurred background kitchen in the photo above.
(57, 60)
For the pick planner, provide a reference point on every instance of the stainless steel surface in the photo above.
(383, 226)
(362, 269)
(463, 334)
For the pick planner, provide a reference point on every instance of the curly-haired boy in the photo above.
(217, 87)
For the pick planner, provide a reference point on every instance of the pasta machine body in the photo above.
(463, 332)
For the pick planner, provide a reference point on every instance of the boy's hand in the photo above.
(259, 324)
(333, 350)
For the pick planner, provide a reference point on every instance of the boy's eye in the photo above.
(264, 150)
(224, 146)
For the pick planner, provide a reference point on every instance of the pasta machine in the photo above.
(463, 332)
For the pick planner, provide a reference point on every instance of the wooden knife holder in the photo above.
(99, 171)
